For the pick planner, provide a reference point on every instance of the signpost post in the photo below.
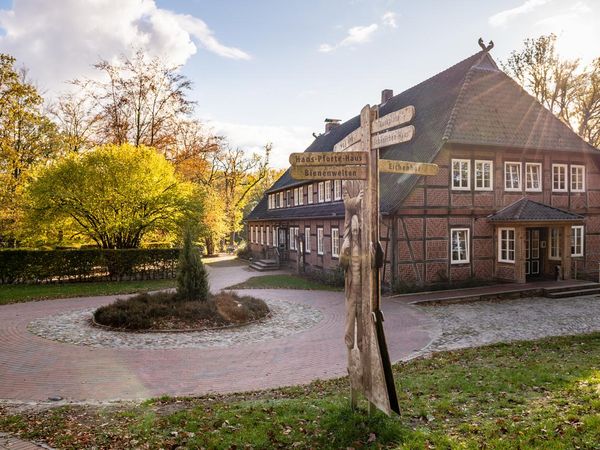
(355, 159)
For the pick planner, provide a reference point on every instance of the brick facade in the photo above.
(416, 240)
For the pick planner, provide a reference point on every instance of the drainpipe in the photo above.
(393, 260)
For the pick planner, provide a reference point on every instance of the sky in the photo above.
(272, 71)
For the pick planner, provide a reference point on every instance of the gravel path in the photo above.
(487, 322)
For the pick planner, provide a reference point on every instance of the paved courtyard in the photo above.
(34, 368)
(47, 348)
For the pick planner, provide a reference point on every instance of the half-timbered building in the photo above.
(517, 195)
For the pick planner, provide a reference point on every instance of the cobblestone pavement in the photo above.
(33, 368)
(74, 327)
(488, 322)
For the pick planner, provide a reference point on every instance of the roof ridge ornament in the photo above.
(484, 47)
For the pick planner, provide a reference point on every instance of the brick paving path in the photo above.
(8, 442)
(33, 368)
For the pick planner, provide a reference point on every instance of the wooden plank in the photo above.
(393, 119)
(352, 138)
(393, 137)
(329, 172)
(328, 158)
(416, 168)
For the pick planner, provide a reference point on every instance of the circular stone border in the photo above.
(176, 330)
(74, 327)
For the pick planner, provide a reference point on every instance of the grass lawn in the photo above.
(29, 292)
(542, 394)
(283, 282)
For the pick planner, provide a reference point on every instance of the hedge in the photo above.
(47, 266)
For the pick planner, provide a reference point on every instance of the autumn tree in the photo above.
(138, 100)
(113, 195)
(568, 89)
(238, 174)
(27, 137)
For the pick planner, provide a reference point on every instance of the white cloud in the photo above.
(285, 140)
(389, 19)
(356, 35)
(60, 40)
(503, 17)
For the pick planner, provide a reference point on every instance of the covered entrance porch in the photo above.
(533, 241)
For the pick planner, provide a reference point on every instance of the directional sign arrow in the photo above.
(329, 158)
(329, 172)
(417, 168)
(393, 137)
(393, 119)
(349, 140)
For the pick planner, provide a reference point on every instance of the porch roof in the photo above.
(526, 210)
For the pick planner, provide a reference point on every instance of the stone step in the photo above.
(573, 293)
(263, 265)
(574, 287)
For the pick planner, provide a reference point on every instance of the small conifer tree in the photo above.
(192, 279)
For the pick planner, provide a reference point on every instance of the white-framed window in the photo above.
(295, 196)
(484, 175)
(577, 240)
(321, 192)
(262, 235)
(506, 245)
(459, 245)
(310, 194)
(301, 195)
(554, 245)
(319, 241)
(281, 202)
(289, 198)
(512, 176)
(577, 178)
(335, 242)
(275, 236)
(252, 235)
(337, 189)
(559, 177)
(268, 233)
(533, 177)
(328, 191)
(461, 174)
(293, 236)
(306, 239)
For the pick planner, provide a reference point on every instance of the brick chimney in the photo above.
(331, 124)
(386, 94)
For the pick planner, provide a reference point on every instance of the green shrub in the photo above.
(44, 266)
(244, 252)
(192, 279)
(166, 310)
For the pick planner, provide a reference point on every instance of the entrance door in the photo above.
(532, 252)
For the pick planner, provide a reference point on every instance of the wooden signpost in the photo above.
(355, 159)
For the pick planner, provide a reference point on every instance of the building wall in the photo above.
(421, 254)
(432, 208)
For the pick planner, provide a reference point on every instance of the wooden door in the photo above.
(532, 253)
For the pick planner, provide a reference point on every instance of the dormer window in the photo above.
(310, 194)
